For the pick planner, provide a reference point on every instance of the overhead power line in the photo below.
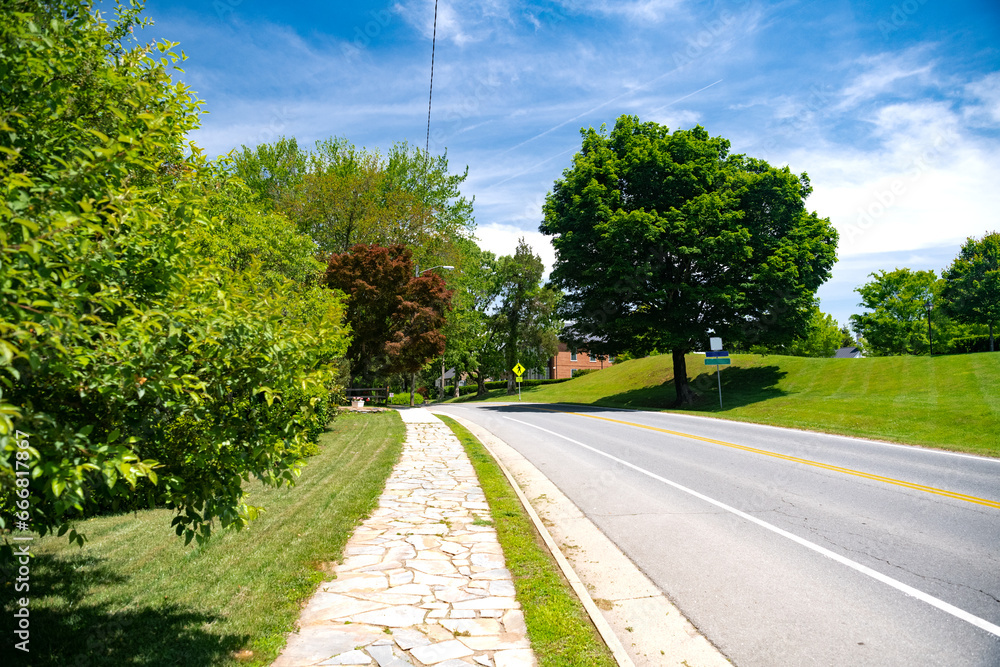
(430, 95)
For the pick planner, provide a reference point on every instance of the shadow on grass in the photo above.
(68, 631)
(740, 387)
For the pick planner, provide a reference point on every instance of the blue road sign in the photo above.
(717, 353)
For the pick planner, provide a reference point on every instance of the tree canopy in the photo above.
(140, 367)
(971, 291)
(663, 239)
(343, 196)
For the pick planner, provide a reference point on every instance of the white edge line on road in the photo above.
(864, 441)
(878, 576)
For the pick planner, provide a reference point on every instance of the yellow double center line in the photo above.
(815, 464)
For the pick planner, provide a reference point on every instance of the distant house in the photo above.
(848, 352)
(567, 362)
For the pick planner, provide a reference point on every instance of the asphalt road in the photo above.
(785, 547)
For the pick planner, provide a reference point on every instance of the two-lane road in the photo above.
(785, 547)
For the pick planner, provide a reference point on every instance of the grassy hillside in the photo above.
(951, 402)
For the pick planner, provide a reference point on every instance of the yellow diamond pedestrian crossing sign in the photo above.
(518, 370)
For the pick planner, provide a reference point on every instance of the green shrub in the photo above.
(966, 344)
(404, 399)
(467, 389)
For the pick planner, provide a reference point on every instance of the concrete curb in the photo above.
(603, 628)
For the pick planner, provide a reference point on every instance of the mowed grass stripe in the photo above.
(135, 595)
(951, 402)
(561, 633)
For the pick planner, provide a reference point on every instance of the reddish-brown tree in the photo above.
(395, 316)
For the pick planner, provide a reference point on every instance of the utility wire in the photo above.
(430, 95)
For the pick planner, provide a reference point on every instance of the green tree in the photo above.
(342, 195)
(525, 323)
(822, 338)
(896, 321)
(661, 238)
(270, 170)
(134, 370)
(250, 237)
(971, 291)
(474, 282)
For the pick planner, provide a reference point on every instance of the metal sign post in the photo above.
(717, 357)
(518, 372)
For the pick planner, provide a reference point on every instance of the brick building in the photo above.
(567, 361)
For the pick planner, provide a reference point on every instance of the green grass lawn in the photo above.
(135, 595)
(561, 633)
(952, 402)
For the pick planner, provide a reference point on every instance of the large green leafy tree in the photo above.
(135, 370)
(474, 282)
(662, 238)
(971, 291)
(895, 321)
(525, 323)
(342, 195)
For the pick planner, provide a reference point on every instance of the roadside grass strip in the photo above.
(560, 631)
(135, 595)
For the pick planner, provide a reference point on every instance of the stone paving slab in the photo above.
(423, 580)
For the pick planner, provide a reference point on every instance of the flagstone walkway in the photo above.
(423, 580)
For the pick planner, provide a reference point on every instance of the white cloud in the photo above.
(886, 72)
(927, 183)
(985, 109)
(633, 10)
(502, 239)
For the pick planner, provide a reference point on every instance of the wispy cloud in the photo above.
(899, 129)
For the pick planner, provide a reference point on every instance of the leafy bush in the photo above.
(404, 399)
(967, 344)
(141, 372)
(467, 389)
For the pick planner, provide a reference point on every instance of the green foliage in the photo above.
(897, 319)
(270, 170)
(662, 237)
(403, 398)
(249, 238)
(142, 373)
(822, 338)
(342, 195)
(525, 321)
(971, 292)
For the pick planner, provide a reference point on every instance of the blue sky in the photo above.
(892, 108)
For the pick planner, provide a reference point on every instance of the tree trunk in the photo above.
(413, 387)
(991, 337)
(511, 388)
(480, 384)
(457, 393)
(685, 395)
